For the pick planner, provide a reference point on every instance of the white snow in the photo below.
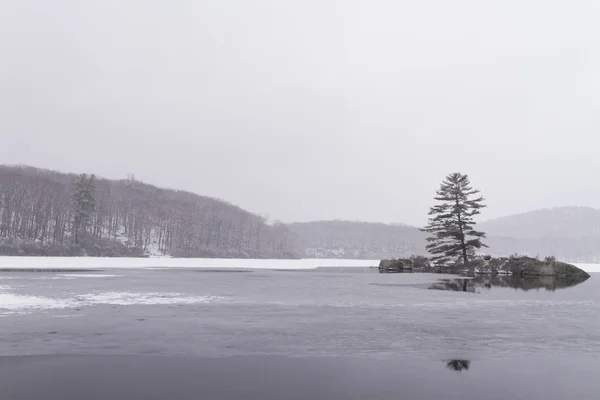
(89, 275)
(19, 304)
(148, 298)
(153, 250)
(106, 263)
(588, 267)
(57, 277)
(39, 278)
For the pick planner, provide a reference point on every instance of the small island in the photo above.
(516, 272)
(454, 243)
(522, 266)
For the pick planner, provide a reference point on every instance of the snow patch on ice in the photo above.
(89, 275)
(20, 304)
(23, 304)
(50, 278)
(148, 298)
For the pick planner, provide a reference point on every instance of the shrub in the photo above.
(420, 261)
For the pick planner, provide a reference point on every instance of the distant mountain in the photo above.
(347, 239)
(39, 216)
(569, 233)
(559, 222)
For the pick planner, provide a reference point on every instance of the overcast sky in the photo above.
(311, 109)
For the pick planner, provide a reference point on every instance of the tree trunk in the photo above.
(462, 236)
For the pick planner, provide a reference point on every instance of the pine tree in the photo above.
(451, 222)
(84, 201)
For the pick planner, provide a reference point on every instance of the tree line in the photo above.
(44, 212)
(357, 240)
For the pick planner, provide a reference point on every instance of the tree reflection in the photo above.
(550, 283)
(458, 365)
(457, 285)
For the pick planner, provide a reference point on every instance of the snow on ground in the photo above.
(120, 235)
(588, 267)
(106, 263)
(153, 249)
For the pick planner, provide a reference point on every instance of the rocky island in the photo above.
(522, 266)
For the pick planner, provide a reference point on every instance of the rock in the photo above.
(394, 266)
(527, 266)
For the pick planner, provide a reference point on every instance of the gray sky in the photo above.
(312, 109)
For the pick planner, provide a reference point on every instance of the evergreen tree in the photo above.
(451, 222)
(84, 201)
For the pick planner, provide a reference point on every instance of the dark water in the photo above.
(329, 333)
(276, 377)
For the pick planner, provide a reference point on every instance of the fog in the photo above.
(309, 109)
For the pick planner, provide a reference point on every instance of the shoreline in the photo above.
(89, 263)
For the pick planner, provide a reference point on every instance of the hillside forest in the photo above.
(48, 213)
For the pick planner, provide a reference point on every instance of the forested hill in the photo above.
(45, 212)
(569, 233)
(348, 239)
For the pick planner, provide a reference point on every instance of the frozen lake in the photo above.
(347, 320)
(328, 311)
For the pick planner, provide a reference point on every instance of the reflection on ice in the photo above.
(458, 365)
(473, 285)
